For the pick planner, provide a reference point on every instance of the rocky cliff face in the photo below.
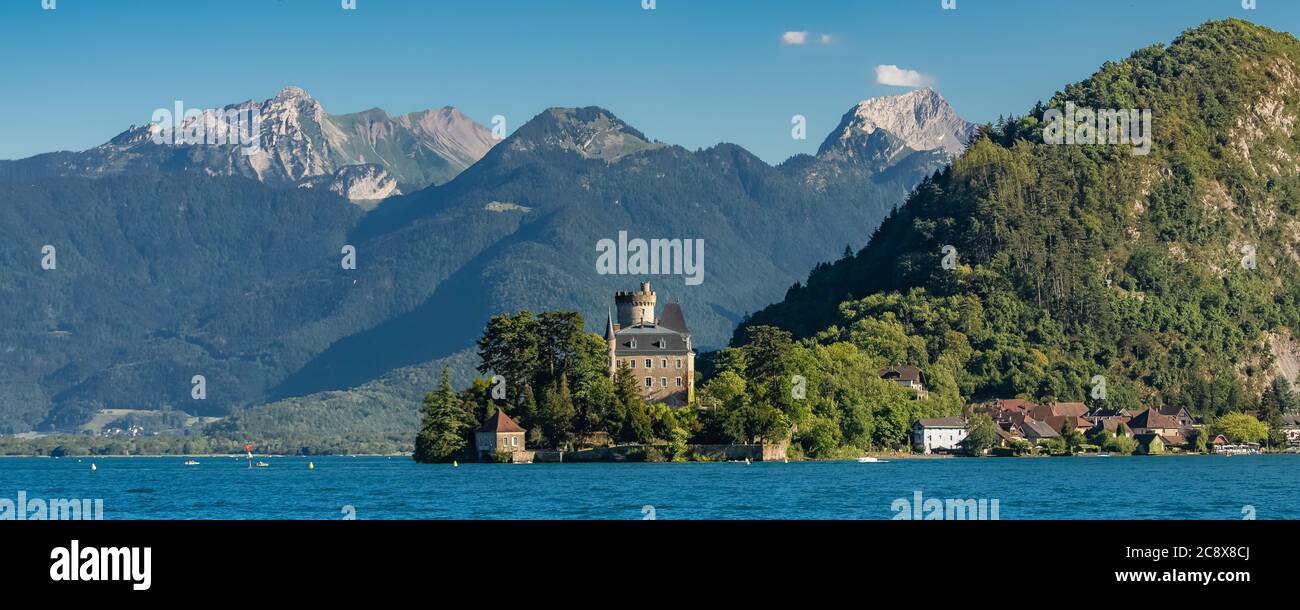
(920, 119)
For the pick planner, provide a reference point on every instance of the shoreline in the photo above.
(877, 455)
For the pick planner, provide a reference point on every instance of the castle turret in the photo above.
(636, 307)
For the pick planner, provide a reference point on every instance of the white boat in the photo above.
(871, 460)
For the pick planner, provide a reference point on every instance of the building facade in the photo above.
(942, 434)
(909, 377)
(499, 434)
(656, 350)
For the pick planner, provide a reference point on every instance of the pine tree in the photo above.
(442, 429)
(557, 413)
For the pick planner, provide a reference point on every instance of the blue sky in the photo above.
(689, 72)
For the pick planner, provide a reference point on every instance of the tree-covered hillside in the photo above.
(1174, 275)
(162, 278)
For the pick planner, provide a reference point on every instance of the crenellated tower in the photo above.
(635, 307)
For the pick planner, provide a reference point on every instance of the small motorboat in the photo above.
(871, 460)
(262, 465)
(191, 462)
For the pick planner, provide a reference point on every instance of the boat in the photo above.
(262, 464)
(871, 460)
(94, 467)
(191, 462)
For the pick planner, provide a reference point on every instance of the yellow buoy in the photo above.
(311, 466)
(455, 464)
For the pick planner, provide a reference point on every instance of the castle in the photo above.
(657, 351)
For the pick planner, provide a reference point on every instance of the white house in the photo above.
(942, 434)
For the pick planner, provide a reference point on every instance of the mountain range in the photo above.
(177, 261)
(364, 156)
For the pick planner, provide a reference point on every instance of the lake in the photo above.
(1192, 487)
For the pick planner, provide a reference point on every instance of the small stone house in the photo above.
(499, 433)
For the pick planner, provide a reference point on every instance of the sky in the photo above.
(687, 72)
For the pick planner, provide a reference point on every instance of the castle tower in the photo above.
(636, 307)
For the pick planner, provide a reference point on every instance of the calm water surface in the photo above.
(1201, 487)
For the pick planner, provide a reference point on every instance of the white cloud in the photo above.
(794, 37)
(894, 76)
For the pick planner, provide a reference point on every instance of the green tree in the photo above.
(1120, 444)
(1241, 428)
(981, 435)
(1071, 437)
(510, 347)
(442, 429)
(557, 414)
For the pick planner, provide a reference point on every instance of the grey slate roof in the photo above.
(1039, 428)
(942, 422)
(650, 340)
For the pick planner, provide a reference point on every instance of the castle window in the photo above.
(649, 382)
(679, 363)
(663, 382)
(632, 344)
(679, 382)
(663, 343)
(631, 363)
(664, 363)
(649, 363)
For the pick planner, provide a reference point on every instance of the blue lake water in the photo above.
(1202, 487)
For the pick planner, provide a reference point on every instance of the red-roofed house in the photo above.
(1060, 409)
(1153, 421)
(499, 433)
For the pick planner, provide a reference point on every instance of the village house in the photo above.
(1036, 431)
(1004, 411)
(1059, 409)
(1018, 418)
(1168, 427)
(909, 377)
(941, 434)
(498, 434)
(1290, 428)
(1112, 425)
(1150, 443)
(1180, 414)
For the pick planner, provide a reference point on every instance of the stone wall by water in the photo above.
(635, 453)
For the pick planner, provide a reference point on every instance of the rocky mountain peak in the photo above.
(921, 119)
(593, 132)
